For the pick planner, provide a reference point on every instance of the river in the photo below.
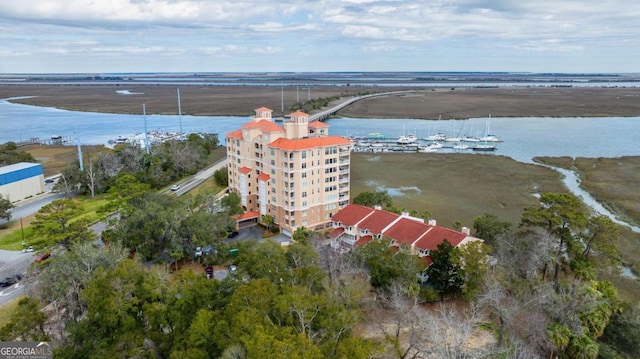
(524, 137)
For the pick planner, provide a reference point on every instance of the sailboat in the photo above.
(406, 140)
(456, 137)
(488, 136)
(437, 136)
(484, 146)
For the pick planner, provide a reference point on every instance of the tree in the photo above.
(59, 222)
(268, 220)
(5, 206)
(446, 273)
(474, 256)
(601, 235)
(27, 322)
(9, 154)
(301, 235)
(488, 227)
(125, 194)
(231, 203)
(221, 177)
(560, 216)
(372, 199)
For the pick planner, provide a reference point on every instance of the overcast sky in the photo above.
(101, 36)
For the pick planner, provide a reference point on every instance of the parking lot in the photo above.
(255, 233)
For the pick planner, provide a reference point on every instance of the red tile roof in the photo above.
(364, 240)
(262, 109)
(318, 124)
(298, 114)
(437, 235)
(248, 215)
(308, 143)
(235, 134)
(406, 231)
(351, 214)
(244, 170)
(264, 125)
(263, 177)
(378, 221)
(336, 232)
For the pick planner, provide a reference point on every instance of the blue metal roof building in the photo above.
(21, 180)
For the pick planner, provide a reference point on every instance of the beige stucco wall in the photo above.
(18, 191)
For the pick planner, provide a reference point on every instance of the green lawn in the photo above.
(6, 311)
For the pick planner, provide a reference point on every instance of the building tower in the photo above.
(296, 173)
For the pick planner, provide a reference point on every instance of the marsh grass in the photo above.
(454, 187)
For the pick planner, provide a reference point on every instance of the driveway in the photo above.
(255, 233)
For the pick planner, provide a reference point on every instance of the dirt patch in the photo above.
(55, 158)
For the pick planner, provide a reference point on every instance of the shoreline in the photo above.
(427, 103)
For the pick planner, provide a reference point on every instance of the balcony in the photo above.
(344, 179)
(344, 162)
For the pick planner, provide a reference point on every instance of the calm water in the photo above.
(524, 138)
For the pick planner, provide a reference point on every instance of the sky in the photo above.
(111, 36)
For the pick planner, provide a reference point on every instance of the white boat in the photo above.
(453, 139)
(470, 139)
(488, 136)
(460, 146)
(436, 137)
(405, 140)
(484, 147)
(435, 145)
(427, 149)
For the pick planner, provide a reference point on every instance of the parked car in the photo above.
(208, 250)
(43, 257)
(175, 187)
(30, 249)
(209, 271)
(198, 251)
(233, 234)
(9, 281)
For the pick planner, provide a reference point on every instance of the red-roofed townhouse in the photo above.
(296, 173)
(357, 225)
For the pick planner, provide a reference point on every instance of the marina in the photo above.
(525, 137)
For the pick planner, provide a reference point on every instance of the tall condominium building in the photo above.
(296, 172)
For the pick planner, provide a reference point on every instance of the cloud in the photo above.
(315, 28)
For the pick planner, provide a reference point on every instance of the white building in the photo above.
(21, 180)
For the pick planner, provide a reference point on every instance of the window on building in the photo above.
(304, 154)
(304, 165)
(304, 194)
(304, 174)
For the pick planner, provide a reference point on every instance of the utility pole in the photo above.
(146, 134)
(79, 151)
(179, 114)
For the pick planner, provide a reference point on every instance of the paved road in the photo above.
(195, 180)
(12, 262)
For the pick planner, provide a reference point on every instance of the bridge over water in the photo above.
(322, 115)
